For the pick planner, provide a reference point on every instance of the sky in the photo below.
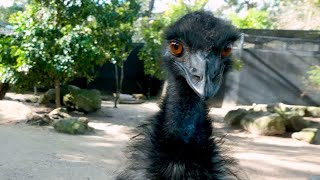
(160, 5)
(6, 3)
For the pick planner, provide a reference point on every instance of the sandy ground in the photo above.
(38, 153)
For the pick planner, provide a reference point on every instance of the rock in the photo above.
(50, 95)
(309, 135)
(263, 123)
(260, 107)
(294, 122)
(131, 99)
(233, 118)
(139, 96)
(33, 99)
(72, 125)
(47, 97)
(139, 101)
(83, 100)
(59, 113)
(313, 111)
(124, 97)
(72, 87)
(4, 87)
(38, 119)
(282, 108)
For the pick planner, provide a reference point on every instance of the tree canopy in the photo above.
(56, 40)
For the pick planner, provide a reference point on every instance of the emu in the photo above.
(179, 142)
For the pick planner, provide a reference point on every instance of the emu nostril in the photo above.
(197, 77)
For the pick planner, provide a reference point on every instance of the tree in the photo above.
(312, 79)
(113, 31)
(61, 40)
(6, 12)
(253, 19)
(6, 63)
(306, 14)
(151, 31)
(52, 50)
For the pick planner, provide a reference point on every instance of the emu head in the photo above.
(197, 48)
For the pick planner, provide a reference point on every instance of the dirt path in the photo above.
(38, 153)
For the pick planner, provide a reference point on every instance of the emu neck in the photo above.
(184, 114)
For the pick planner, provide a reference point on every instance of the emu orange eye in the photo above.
(176, 48)
(226, 51)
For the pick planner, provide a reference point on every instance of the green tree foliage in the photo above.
(58, 40)
(313, 78)
(254, 19)
(5, 12)
(7, 62)
(151, 31)
(303, 15)
(280, 14)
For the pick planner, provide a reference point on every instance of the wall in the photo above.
(274, 70)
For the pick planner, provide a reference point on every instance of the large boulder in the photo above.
(47, 97)
(261, 108)
(294, 122)
(38, 119)
(263, 123)
(58, 113)
(83, 100)
(234, 117)
(4, 87)
(313, 111)
(309, 135)
(283, 108)
(72, 125)
(50, 95)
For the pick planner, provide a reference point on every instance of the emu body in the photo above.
(179, 142)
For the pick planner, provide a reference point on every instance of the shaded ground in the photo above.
(38, 153)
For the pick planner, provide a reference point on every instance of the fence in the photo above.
(275, 64)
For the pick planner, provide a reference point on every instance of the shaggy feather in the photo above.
(179, 142)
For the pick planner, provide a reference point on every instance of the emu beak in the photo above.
(203, 72)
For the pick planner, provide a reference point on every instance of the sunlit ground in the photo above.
(29, 152)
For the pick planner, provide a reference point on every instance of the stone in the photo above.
(313, 111)
(263, 123)
(294, 122)
(4, 87)
(260, 108)
(309, 135)
(50, 95)
(125, 97)
(72, 87)
(282, 108)
(72, 125)
(33, 99)
(38, 119)
(58, 113)
(234, 117)
(83, 100)
(47, 97)
(139, 96)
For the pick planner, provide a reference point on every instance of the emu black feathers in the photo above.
(179, 142)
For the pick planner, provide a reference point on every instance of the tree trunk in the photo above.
(116, 99)
(4, 87)
(121, 78)
(35, 90)
(57, 88)
(150, 8)
(119, 83)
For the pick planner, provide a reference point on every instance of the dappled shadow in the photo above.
(101, 154)
(275, 157)
(126, 114)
